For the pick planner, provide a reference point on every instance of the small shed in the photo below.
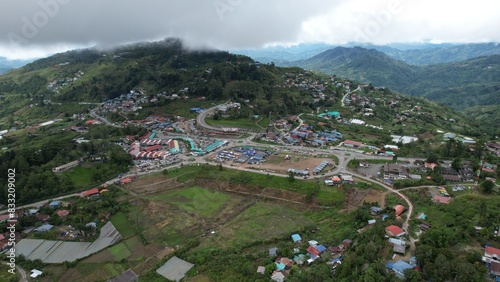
(296, 238)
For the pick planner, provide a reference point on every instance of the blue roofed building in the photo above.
(280, 266)
(320, 248)
(296, 238)
(55, 204)
(44, 228)
(399, 267)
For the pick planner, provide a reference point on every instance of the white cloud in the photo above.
(48, 26)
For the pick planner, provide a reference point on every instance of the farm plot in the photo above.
(121, 223)
(259, 222)
(201, 201)
(174, 217)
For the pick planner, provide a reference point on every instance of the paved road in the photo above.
(93, 114)
(343, 98)
(41, 203)
(200, 119)
(23, 276)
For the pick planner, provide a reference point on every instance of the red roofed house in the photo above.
(2, 236)
(313, 251)
(336, 180)
(42, 217)
(4, 244)
(441, 199)
(495, 268)
(62, 213)
(126, 180)
(430, 165)
(91, 192)
(491, 254)
(399, 209)
(393, 230)
(354, 144)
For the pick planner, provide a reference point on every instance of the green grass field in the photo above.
(120, 251)
(120, 221)
(80, 176)
(195, 199)
(261, 221)
(5, 276)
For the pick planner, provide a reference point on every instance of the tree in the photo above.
(456, 164)
(487, 186)
(432, 158)
(291, 177)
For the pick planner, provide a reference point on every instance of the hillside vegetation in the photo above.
(459, 84)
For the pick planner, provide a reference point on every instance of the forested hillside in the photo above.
(460, 84)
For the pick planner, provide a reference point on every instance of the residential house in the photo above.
(401, 249)
(62, 213)
(395, 241)
(273, 252)
(278, 276)
(392, 171)
(296, 238)
(399, 267)
(399, 209)
(375, 210)
(54, 204)
(44, 228)
(491, 254)
(393, 230)
(424, 226)
(91, 192)
(495, 269)
(441, 199)
(353, 144)
(347, 178)
(42, 217)
(313, 252)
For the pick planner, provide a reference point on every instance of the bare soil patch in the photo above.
(71, 275)
(353, 197)
(375, 196)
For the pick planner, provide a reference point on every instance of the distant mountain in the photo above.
(441, 54)
(364, 65)
(283, 54)
(414, 54)
(465, 84)
(7, 65)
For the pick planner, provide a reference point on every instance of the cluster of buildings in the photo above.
(305, 134)
(243, 155)
(42, 216)
(59, 83)
(314, 250)
(339, 179)
(306, 82)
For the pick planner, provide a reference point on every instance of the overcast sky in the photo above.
(36, 28)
